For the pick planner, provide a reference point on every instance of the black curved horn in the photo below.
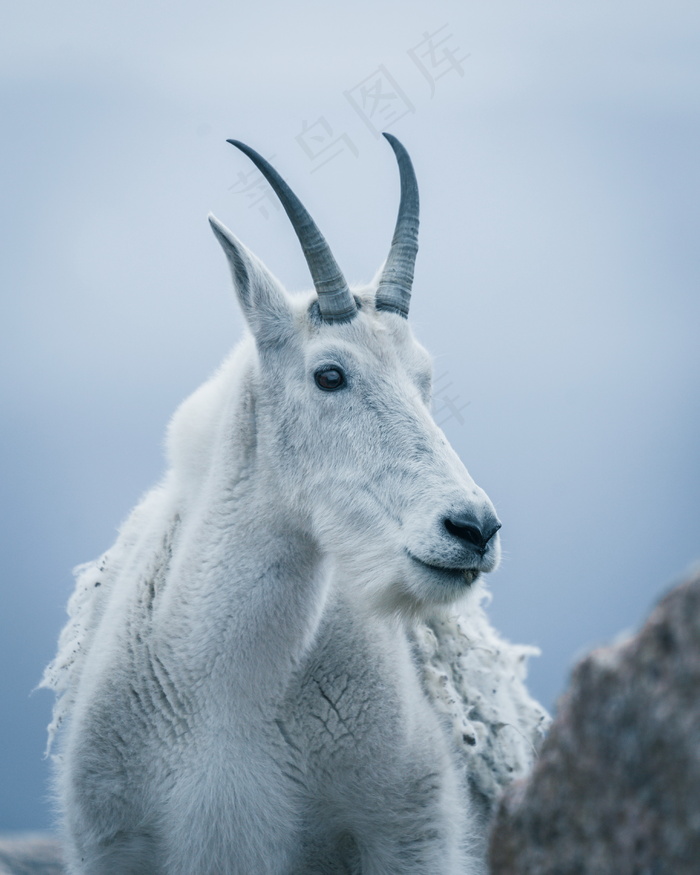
(394, 289)
(335, 300)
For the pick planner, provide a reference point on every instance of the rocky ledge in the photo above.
(616, 789)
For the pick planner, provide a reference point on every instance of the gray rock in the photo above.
(30, 854)
(616, 789)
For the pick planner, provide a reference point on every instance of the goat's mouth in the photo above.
(464, 576)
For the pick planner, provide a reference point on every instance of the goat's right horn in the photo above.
(335, 300)
(394, 289)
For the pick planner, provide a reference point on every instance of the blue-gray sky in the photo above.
(557, 284)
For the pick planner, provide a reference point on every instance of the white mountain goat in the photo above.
(268, 672)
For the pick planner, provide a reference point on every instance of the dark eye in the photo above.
(330, 379)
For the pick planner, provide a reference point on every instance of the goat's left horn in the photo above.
(394, 289)
(335, 300)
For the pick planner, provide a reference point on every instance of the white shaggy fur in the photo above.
(282, 665)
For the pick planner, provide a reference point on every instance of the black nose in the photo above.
(469, 529)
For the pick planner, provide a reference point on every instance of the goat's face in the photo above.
(345, 434)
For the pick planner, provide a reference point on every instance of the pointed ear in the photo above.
(260, 294)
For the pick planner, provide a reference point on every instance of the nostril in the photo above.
(467, 530)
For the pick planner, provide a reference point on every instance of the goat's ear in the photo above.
(262, 298)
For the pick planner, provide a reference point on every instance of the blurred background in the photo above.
(557, 147)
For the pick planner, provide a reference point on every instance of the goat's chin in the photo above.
(422, 593)
(402, 586)
(417, 593)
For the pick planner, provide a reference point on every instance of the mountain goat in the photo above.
(268, 672)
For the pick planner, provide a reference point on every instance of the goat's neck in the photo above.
(247, 588)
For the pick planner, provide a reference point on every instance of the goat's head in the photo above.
(343, 427)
